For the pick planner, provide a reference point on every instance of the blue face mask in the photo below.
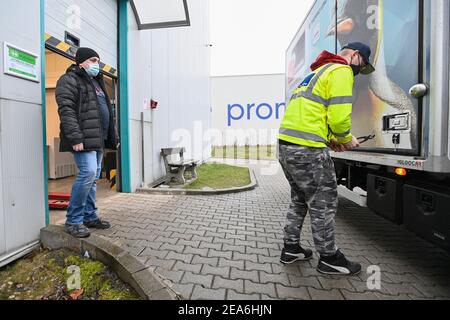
(93, 70)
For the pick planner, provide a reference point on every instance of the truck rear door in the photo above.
(393, 29)
(383, 106)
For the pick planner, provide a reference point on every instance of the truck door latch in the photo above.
(396, 122)
(418, 91)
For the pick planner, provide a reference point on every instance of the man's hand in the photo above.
(352, 144)
(78, 147)
(336, 146)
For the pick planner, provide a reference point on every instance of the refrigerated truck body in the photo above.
(405, 169)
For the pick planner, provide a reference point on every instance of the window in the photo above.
(154, 14)
(71, 39)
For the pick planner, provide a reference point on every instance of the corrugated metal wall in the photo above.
(22, 209)
(97, 28)
(171, 66)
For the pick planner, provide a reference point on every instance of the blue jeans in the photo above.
(84, 191)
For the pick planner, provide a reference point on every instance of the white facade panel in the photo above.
(22, 172)
(25, 34)
(170, 66)
(139, 75)
(247, 109)
(2, 211)
(22, 209)
(94, 22)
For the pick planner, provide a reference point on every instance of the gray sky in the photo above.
(251, 36)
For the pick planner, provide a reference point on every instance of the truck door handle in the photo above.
(427, 203)
(419, 90)
(380, 186)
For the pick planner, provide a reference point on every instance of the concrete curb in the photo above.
(159, 191)
(147, 284)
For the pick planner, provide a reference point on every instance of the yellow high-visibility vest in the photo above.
(321, 108)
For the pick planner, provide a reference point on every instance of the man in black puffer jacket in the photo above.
(87, 127)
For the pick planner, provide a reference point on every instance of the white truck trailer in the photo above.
(403, 173)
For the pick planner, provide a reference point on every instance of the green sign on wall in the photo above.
(21, 63)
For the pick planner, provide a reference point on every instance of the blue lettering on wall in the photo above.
(278, 107)
(267, 107)
(249, 110)
(230, 113)
(263, 111)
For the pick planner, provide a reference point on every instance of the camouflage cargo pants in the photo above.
(311, 174)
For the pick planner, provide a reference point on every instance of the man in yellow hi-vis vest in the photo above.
(318, 117)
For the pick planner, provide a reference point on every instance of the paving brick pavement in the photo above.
(228, 246)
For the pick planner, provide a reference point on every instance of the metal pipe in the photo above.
(335, 27)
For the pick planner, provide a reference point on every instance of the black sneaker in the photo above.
(98, 224)
(77, 231)
(291, 254)
(338, 265)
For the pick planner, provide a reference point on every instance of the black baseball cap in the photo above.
(365, 53)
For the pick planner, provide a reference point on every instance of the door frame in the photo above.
(44, 113)
(123, 163)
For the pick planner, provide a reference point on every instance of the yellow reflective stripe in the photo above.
(317, 77)
(302, 135)
(310, 96)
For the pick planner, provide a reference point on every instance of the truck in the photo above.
(402, 171)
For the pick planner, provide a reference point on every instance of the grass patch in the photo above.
(242, 152)
(43, 275)
(220, 176)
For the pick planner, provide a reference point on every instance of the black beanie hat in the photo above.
(84, 54)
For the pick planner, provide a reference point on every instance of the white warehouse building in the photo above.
(155, 58)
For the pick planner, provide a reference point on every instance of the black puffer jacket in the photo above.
(79, 112)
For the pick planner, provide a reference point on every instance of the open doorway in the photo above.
(62, 169)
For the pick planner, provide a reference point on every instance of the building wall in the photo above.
(22, 209)
(247, 109)
(94, 22)
(170, 66)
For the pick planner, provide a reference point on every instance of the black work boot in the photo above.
(338, 265)
(98, 224)
(294, 253)
(77, 231)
